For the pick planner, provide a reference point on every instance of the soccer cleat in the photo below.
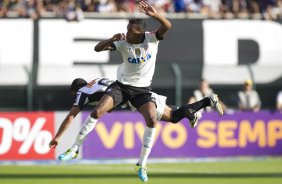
(142, 174)
(194, 122)
(68, 155)
(215, 104)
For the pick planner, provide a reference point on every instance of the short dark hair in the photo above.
(139, 22)
(77, 84)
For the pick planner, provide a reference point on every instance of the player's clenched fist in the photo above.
(118, 37)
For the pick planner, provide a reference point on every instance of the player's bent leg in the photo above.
(214, 102)
(106, 103)
(68, 155)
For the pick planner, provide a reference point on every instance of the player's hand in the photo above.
(118, 37)
(53, 143)
(147, 9)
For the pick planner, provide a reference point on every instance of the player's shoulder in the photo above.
(84, 89)
(89, 86)
(150, 33)
(105, 79)
(153, 36)
(120, 42)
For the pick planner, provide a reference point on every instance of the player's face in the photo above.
(134, 32)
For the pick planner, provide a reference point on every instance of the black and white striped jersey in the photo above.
(92, 92)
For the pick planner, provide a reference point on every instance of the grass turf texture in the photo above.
(226, 172)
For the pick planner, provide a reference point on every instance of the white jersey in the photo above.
(94, 90)
(139, 61)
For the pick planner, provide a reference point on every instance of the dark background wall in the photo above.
(182, 45)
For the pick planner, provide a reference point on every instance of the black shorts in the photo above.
(137, 96)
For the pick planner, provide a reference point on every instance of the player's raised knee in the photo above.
(151, 121)
(97, 113)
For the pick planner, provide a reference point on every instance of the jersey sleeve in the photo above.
(153, 36)
(80, 100)
(118, 45)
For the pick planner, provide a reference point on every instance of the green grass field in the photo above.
(257, 171)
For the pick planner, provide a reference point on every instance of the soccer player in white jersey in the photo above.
(139, 50)
(134, 76)
(90, 94)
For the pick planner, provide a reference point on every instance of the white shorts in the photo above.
(160, 102)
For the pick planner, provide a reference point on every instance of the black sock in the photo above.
(188, 110)
(178, 114)
(199, 104)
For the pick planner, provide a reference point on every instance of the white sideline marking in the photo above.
(132, 161)
(131, 168)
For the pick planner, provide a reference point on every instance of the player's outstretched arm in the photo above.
(152, 12)
(66, 123)
(107, 44)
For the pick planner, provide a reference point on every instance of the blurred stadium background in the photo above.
(45, 44)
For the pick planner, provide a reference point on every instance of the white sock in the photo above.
(88, 126)
(148, 140)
